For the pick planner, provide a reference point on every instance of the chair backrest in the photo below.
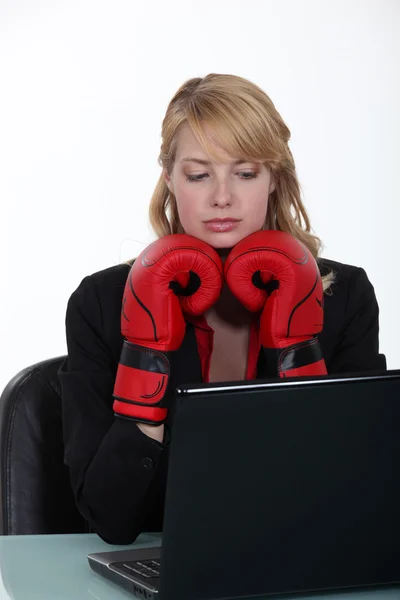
(35, 492)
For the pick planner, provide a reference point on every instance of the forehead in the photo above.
(188, 145)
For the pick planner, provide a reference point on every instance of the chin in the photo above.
(220, 241)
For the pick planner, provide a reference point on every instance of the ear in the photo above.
(168, 181)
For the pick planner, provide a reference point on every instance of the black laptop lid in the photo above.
(283, 487)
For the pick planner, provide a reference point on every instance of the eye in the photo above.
(202, 176)
(251, 174)
(196, 177)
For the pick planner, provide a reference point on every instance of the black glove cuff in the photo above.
(292, 357)
(145, 359)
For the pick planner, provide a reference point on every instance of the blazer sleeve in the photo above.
(357, 349)
(113, 465)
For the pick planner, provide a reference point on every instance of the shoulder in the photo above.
(111, 276)
(94, 308)
(99, 293)
(343, 271)
(347, 278)
(102, 283)
(350, 299)
(350, 337)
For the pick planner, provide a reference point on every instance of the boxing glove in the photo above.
(272, 272)
(175, 275)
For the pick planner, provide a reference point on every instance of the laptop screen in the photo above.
(283, 486)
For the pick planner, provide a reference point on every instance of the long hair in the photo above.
(245, 124)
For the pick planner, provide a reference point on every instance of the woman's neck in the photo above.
(228, 310)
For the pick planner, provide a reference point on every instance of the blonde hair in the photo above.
(246, 125)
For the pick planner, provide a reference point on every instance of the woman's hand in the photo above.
(154, 431)
(273, 273)
(176, 275)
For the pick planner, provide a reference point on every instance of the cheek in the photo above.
(187, 205)
(257, 210)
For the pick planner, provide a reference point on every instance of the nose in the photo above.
(221, 195)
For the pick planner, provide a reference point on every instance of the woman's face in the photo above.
(235, 191)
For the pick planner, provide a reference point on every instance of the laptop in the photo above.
(275, 487)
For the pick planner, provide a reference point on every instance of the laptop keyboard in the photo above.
(149, 569)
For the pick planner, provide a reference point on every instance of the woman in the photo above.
(224, 155)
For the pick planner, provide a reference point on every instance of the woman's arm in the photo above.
(358, 347)
(116, 470)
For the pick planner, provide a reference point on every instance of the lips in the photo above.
(222, 225)
(225, 220)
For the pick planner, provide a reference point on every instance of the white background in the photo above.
(84, 85)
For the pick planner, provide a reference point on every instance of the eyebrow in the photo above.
(206, 163)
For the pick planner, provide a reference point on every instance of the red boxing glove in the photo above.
(176, 274)
(272, 272)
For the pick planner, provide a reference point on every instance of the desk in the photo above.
(55, 567)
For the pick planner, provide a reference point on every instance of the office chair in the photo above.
(35, 491)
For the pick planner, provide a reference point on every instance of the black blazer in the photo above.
(118, 474)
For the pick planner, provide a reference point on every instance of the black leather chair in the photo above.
(35, 492)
